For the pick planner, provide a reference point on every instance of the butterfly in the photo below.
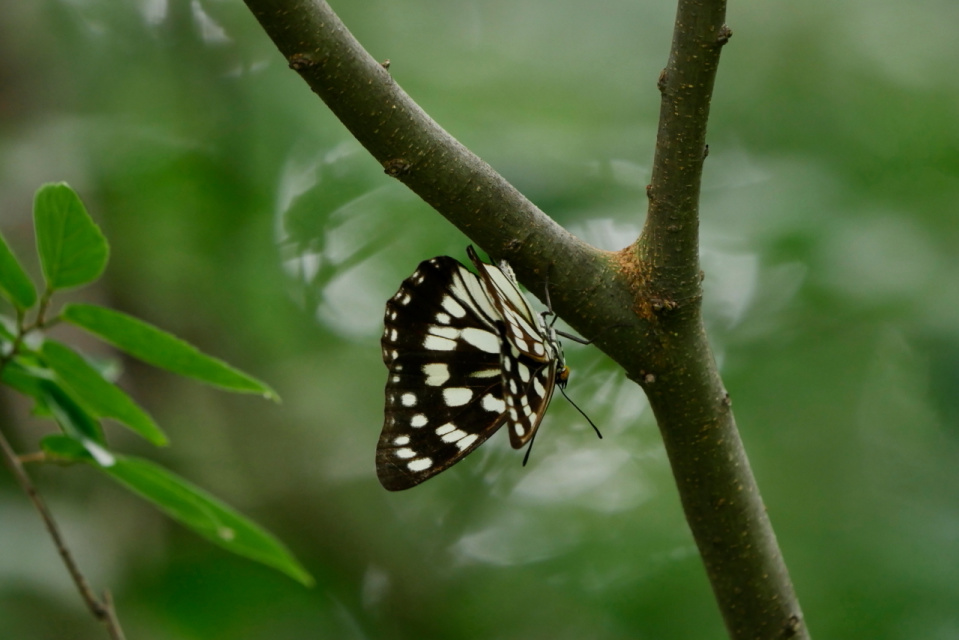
(466, 355)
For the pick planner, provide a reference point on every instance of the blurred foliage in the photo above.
(245, 219)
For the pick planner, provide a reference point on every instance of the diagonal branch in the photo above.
(409, 145)
(650, 292)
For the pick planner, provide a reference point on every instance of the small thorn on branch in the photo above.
(396, 167)
(301, 61)
(725, 33)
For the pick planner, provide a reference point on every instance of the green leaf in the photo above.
(103, 398)
(161, 349)
(25, 377)
(15, 284)
(7, 329)
(72, 418)
(66, 448)
(72, 249)
(187, 504)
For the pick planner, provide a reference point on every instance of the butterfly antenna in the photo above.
(581, 412)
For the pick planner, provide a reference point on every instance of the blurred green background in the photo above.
(244, 218)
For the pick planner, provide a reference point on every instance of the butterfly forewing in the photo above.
(522, 326)
(466, 354)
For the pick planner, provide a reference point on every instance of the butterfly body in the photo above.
(466, 355)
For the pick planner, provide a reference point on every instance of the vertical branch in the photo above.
(720, 497)
(670, 240)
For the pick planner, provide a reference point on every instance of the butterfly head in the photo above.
(562, 376)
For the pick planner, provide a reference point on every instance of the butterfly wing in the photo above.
(531, 353)
(444, 395)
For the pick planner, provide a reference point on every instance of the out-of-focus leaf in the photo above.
(15, 284)
(7, 330)
(161, 349)
(72, 248)
(25, 378)
(66, 448)
(102, 397)
(187, 504)
(72, 418)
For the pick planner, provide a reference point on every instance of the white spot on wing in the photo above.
(454, 307)
(436, 374)
(442, 430)
(492, 403)
(481, 339)
(523, 372)
(420, 464)
(401, 441)
(417, 421)
(436, 343)
(538, 387)
(453, 436)
(408, 400)
(457, 396)
(405, 453)
(465, 443)
(519, 429)
(444, 332)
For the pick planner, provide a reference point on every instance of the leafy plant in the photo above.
(66, 387)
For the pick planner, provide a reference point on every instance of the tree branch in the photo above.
(650, 292)
(720, 496)
(409, 145)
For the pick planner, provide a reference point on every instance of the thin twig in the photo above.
(102, 611)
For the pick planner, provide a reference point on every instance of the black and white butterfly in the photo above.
(466, 354)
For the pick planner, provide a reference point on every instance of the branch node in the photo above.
(725, 33)
(301, 61)
(662, 305)
(792, 627)
(661, 82)
(396, 167)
